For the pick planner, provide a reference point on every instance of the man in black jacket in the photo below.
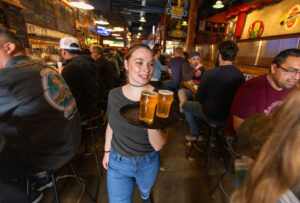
(103, 67)
(215, 91)
(80, 74)
(38, 114)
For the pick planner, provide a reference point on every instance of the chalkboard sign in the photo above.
(49, 16)
(65, 19)
(2, 16)
(80, 16)
(39, 12)
(15, 21)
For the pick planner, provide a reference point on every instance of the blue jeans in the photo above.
(184, 95)
(191, 110)
(124, 172)
(170, 85)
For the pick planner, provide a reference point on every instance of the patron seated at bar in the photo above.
(175, 69)
(38, 115)
(104, 68)
(265, 93)
(215, 91)
(80, 75)
(155, 80)
(193, 70)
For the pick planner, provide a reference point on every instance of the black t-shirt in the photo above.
(216, 91)
(80, 75)
(128, 140)
(106, 71)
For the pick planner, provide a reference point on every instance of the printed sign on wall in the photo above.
(256, 29)
(291, 19)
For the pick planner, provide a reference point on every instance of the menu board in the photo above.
(80, 16)
(39, 12)
(15, 21)
(65, 19)
(2, 16)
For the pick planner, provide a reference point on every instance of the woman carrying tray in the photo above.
(130, 152)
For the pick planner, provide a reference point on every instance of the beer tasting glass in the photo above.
(148, 103)
(165, 99)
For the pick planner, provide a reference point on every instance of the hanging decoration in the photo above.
(177, 11)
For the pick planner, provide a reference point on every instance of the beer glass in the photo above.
(165, 99)
(148, 103)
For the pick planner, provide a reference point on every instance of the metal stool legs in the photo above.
(80, 183)
(95, 153)
(54, 186)
(209, 149)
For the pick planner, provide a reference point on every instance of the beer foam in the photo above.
(149, 93)
(165, 92)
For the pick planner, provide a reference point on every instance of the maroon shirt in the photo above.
(255, 96)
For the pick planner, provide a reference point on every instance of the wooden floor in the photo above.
(179, 181)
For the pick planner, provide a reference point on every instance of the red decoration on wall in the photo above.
(240, 24)
(246, 7)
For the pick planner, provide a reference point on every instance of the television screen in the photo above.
(145, 42)
(102, 31)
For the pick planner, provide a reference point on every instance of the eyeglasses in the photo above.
(291, 72)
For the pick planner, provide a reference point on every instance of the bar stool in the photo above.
(214, 128)
(228, 167)
(51, 173)
(90, 125)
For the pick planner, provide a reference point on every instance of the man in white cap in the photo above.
(80, 74)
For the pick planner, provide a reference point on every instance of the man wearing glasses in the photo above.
(265, 93)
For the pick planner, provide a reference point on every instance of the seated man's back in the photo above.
(80, 75)
(38, 113)
(216, 91)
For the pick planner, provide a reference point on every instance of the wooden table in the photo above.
(190, 86)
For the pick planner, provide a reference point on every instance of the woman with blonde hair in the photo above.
(277, 167)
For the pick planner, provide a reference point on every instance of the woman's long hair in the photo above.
(277, 166)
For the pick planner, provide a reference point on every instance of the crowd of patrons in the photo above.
(261, 115)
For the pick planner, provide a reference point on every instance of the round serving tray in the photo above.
(130, 113)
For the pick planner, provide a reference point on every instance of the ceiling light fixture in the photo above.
(118, 29)
(81, 4)
(218, 5)
(116, 35)
(140, 28)
(101, 20)
(109, 28)
(119, 37)
(184, 23)
(142, 19)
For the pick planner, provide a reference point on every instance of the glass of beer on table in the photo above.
(165, 99)
(148, 103)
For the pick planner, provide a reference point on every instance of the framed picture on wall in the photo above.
(208, 26)
(201, 25)
(215, 27)
(222, 27)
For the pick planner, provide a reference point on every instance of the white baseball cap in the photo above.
(67, 41)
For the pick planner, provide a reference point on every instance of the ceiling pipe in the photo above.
(153, 10)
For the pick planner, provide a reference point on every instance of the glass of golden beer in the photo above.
(165, 99)
(148, 103)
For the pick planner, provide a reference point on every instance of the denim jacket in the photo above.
(157, 70)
